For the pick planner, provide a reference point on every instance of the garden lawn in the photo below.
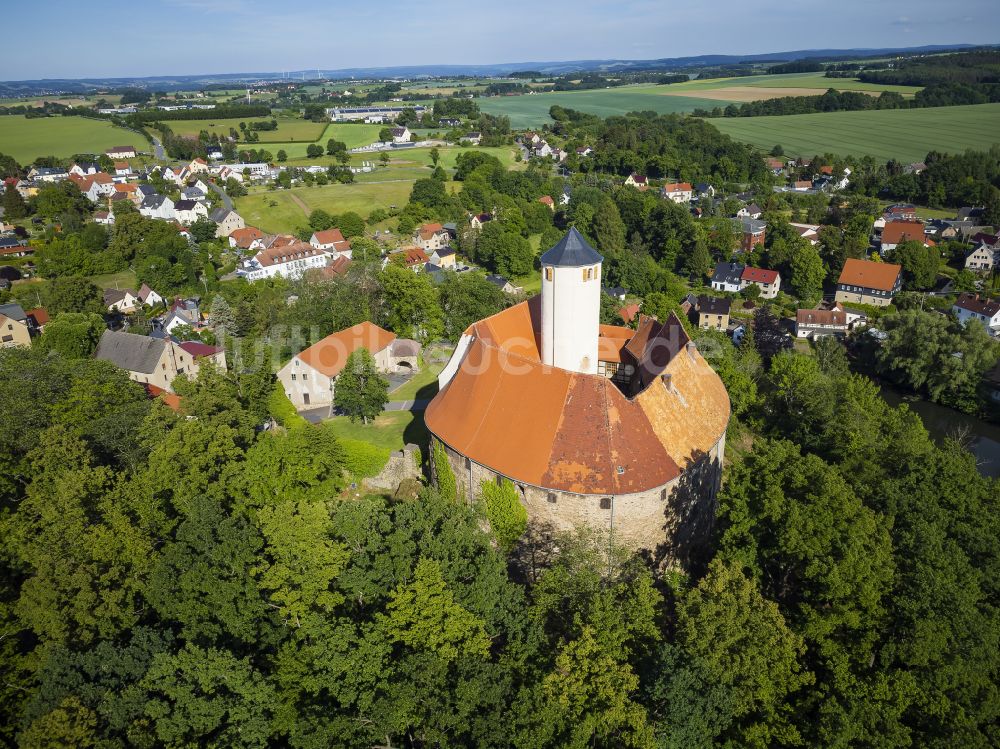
(289, 129)
(903, 134)
(422, 386)
(26, 139)
(390, 430)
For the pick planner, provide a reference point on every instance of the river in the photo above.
(944, 422)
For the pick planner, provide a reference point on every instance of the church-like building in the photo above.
(594, 424)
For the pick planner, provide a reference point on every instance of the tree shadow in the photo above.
(533, 552)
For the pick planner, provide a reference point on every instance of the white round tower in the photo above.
(571, 304)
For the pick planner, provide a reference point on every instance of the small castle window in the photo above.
(663, 495)
(605, 503)
(548, 274)
(468, 463)
(551, 498)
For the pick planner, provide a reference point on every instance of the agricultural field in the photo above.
(282, 211)
(533, 110)
(289, 128)
(26, 139)
(903, 134)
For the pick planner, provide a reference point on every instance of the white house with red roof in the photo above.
(679, 192)
(430, 237)
(331, 240)
(289, 261)
(309, 379)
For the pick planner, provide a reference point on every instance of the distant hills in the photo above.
(174, 83)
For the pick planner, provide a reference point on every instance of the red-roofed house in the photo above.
(290, 261)
(679, 192)
(629, 312)
(203, 353)
(867, 282)
(243, 238)
(430, 237)
(331, 240)
(309, 379)
(767, 280)
(896, 232)
(547, 200)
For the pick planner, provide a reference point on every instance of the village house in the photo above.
(751, 232)
(474, 138)
(548, 202)
(449, 122)
(157, 206)
(982, 259)
(228, 221)
(198, 166)
(47, 174)
(973, 307)
(704, 190)
(121, 152)
(123, 169)
(679, 192)
(826, 320)
(444, 257)
(768, 280)
(182, 312)
(477, 221)
(84, 168)
(105, 218)
(95, 186)
(801, 185)
(142, 191)
(331, 240)
(202, 354)
(14, 329)
(120, 300)
(867, 282)
(502, 283)
(309, 379)
(896, 232)
(244, 238)
(753, 211)
(290, 261)
(728, 277)
(809, 232)
(148, 360)
(637, 181)
(584, 151)
(193, 193)
(13, 247)
(149, 297)
(430, 237)
(401, 135)
(710, 313)
(38, 318)
(189, 211)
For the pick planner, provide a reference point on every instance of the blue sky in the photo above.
(177, 37)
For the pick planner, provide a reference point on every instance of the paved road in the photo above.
(226, 200)
(158, 151)
(316, 415)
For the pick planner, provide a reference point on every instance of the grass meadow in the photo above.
(903, 134)
(26, 139)
(290, 129)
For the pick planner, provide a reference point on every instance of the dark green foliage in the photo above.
(361, 392)
(74, 335)
(467, 298)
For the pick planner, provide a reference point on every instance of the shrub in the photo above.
(506, 514)
(282, 410)
(446, 483)
(363, 459)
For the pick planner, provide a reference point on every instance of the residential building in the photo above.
(896, 232)
(430, 237)
(710, 313)
(679, 192)
(477, 221)
(38, 318)
(331, 240)
(202, 353)
(148, 360)
(149, 297)
(867, 282)
(189, 211)
(47, 174)
(120, 300)
(973, 307)
(123, 169)
(84, 168)
(444, 257)
(826, 320)
(502, 283)
(704, 190)
(768, 280)
(379, 114)
(638, 181)
(244, 238)
(809, 232)
(548, 202)
(14, 330)
(401, 135)
(228, 221)
(121, 152)
(309, 379)
(728, 277)
(584, 151)
(474, 138)
(157, 206)
(751, 232)
(752, 210)
(983, 258)
(290, 261)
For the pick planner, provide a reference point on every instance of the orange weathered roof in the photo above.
(245, 237)
(172, 400)
(869, 275)
(287, 253)
(429, 230)
(677, 187)
(414, 255)
(574, 432)
(329, 236)
(330, 354)
(902, 231)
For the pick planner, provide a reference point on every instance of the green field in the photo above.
(790, 80)
(26, 139)
(390, 430)
(903, 134)
(533, 110)
(289, 128)
(277, 210)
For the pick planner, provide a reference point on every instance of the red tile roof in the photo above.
(330, 354)
(329, 236)
(245, 237)
(197, 349)
(869, 275)
(677, 187)
(547, 200)
(759, 275)
(902, 231)
(628, 312)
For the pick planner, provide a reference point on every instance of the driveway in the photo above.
(316, 415)
(158, 151)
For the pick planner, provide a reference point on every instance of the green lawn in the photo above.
(123, 279)
(289, 128)
(26, 139)
(422, 386)
(276, 210)
(904, 134)
(390, 430)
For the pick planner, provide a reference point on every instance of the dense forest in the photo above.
(191, 581)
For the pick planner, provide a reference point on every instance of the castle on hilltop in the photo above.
(594, 424)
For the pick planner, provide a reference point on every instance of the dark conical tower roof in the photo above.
(572, 251)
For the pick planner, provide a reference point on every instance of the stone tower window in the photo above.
(663, 495)
(551, 498)
(605, 503)
(548, 274)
